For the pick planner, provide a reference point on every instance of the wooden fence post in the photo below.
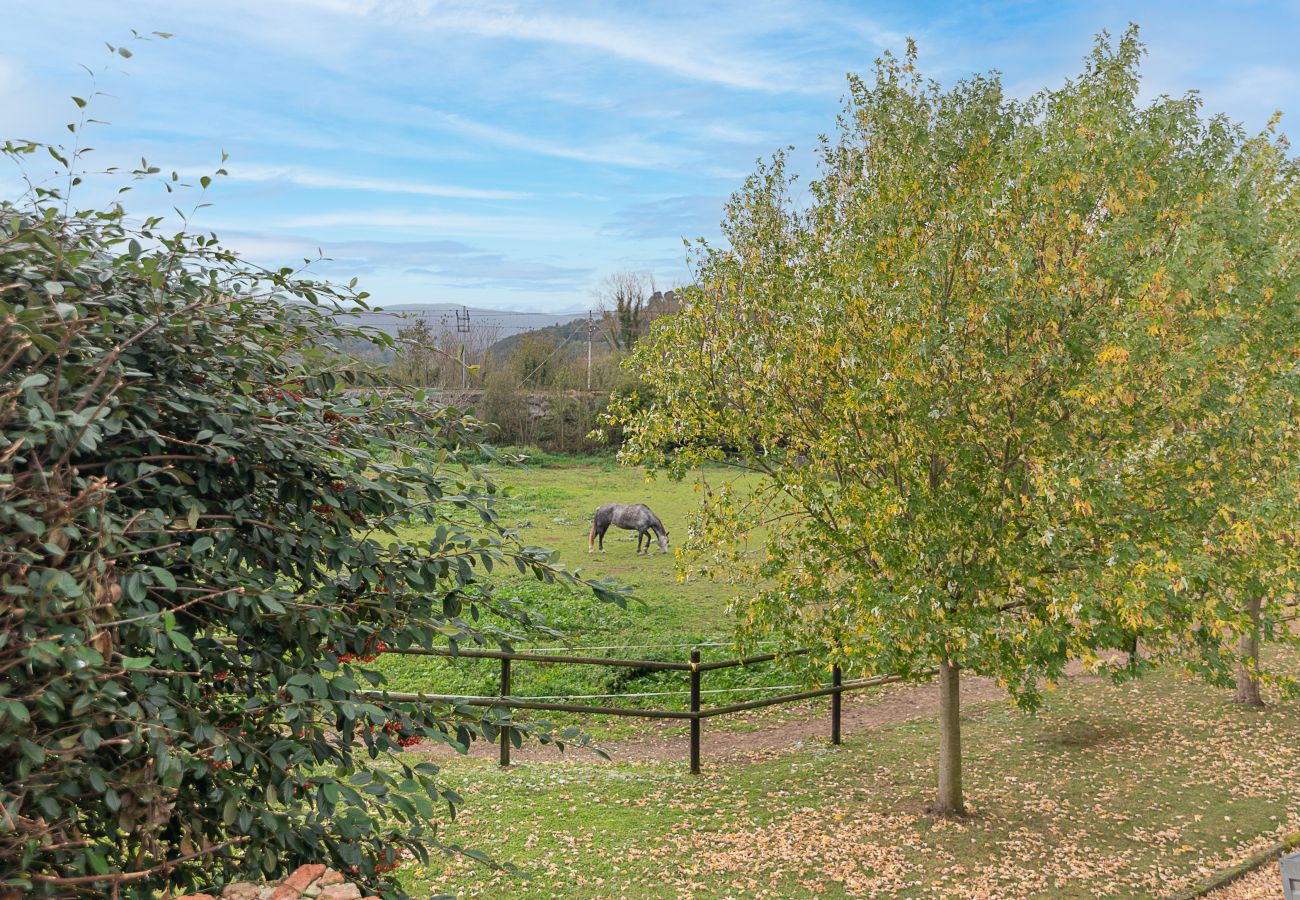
(505, 730)
(835, 705)
(695, 708)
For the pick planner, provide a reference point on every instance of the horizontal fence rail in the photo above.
(659, 664)
(695, 667)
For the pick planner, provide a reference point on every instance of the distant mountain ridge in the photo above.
(455, 317)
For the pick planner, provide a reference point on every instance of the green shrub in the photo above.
(198, 539)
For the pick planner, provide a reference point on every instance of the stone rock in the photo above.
(331, 876)
(303, 876)
(341, 892)
(241, 890)
(184, 897)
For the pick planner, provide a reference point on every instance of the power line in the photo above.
(545, 361)
(421, 313)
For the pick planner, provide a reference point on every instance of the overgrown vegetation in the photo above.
(199, 543)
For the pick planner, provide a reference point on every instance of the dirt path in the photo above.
(667, 740)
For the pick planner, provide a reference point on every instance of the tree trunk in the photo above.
(1131, 648)
(950, 801)
(1248, 653)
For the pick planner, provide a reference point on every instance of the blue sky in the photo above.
(511, 156)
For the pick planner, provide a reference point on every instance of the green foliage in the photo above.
(418, 362)
(199, 539)
(1001, 374)
(557, 419)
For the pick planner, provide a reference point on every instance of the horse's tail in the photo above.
(591, 536)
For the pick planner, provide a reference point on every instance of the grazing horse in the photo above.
(632, 516)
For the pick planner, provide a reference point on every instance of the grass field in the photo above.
(552, 505)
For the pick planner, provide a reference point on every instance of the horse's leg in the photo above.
(600, 537)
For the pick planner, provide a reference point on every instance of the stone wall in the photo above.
(312, 882)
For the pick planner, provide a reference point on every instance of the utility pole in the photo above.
(590, 326)
(462, 326)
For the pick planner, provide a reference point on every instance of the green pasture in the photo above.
(551, 502)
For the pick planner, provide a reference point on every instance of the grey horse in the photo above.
(632, 516)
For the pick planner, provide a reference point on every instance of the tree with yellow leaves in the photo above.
(970, 367)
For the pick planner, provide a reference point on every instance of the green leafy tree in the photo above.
(624, 301)
(535, 361)
(201, 546)
(970, 367)
(1239, 493)
(418, 360)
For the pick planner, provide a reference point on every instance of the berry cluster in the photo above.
(380, 866)
(368, 654)
(395, 728)
(324, 509)
(272, 394)
(394, 731)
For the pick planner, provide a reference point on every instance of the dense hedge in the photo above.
(198, 544)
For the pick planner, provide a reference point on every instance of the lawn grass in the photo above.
(1127, 791)
(1130, 790)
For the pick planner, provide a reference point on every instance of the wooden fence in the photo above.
(695, 667)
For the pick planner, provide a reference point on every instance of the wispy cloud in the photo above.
(448, 262)
(532, 228)
(643, 43)
(674, 217)
(628, 153)
(341, 181)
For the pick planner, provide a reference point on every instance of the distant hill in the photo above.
(442, 316)
(477, 328)
(573, 331)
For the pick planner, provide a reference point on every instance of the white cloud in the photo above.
(636, 154)
(332, 180)
(727, 45)
(638, 43)
(451, 262)
(444, 223)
